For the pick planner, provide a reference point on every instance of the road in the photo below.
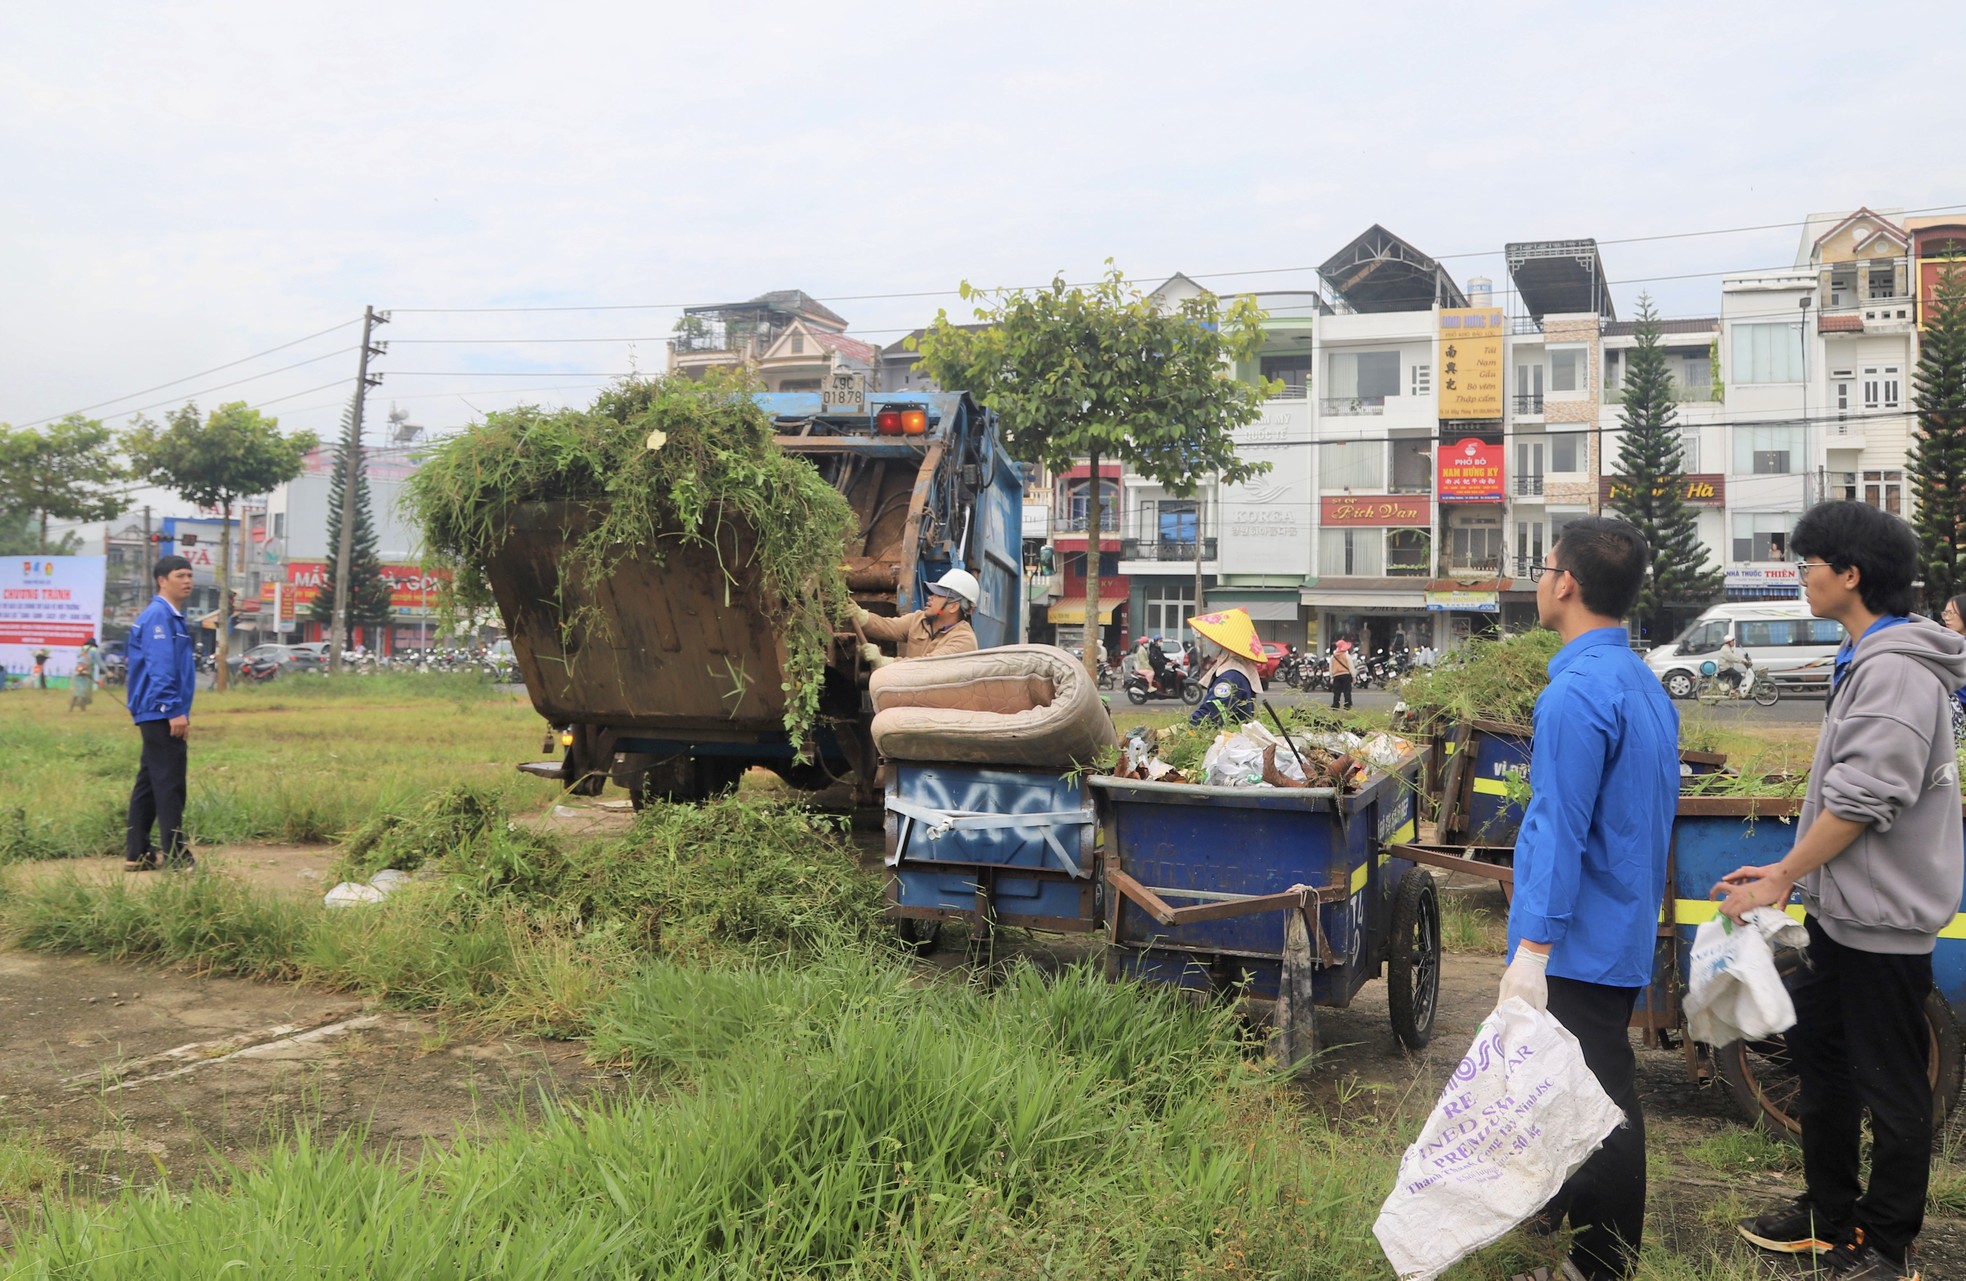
(1801, 709)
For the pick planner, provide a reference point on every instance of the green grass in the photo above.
(300, 760)
(1745, 1152)
(27, 1166)
(1466, 928)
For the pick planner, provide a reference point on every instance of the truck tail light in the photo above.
(566, 738)
(914, 422)
(888, 422)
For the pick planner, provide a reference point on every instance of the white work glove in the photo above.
(861, 617)
(871, 654)
(1528, 978)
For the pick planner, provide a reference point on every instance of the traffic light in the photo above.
(155, 539)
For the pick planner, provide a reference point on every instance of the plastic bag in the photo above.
(1520, 1114)
(1234, 760)
(1734, 991)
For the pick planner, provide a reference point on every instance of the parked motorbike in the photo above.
(1175, 685)
(259, 670)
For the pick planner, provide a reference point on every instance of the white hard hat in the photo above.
(959, 583)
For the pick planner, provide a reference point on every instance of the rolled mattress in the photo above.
(1014, 705)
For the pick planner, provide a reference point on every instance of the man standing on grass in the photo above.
(1590, 862)
(1877, 860)
(163, 673)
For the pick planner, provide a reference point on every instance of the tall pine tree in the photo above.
(368, 598)
(1651, 489)
(1938, 448)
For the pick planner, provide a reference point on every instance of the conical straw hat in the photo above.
(1232, 629)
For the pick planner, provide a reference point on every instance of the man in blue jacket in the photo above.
(1590, 862)
(162, 673)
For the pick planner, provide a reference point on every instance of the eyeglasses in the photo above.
(1537, 570)
(1802, 567)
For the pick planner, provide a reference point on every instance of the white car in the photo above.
(1787, 643)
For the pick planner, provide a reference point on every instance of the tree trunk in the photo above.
(219, 673)
(1094, 645)
(44, 531)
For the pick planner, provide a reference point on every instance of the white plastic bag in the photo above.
(1233, 760)
(1733, 989)
(1520, 1114)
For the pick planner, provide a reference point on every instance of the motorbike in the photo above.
(1175, 685)
(259, 670)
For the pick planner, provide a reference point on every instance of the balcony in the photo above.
(1871, 316)
(1352, 406)
(1530, 404)
(1681, 395)
(1070, 523)
(1157, 549)
(1526, 486)
(1468, 567)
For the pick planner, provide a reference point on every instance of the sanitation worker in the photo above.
(163, 674)
(1590, 862)
(1228, 676)
(942, 627)
(1876, 857)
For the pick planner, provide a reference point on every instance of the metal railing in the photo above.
(1527, 484)
(1682, 394)
(1488, 568)
(1067, 523)
(1159, 549)
(1352, 406)
(1529, 403)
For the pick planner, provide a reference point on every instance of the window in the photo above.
(1358, 464)
(1883, 489)
(1422, 381)
(1178, 520)
(1614, 375)
(1078, 500)
(279, 524)
(1478, 546)
(1567, 451)
(799, 384)
(1293, 371)
(1696, 375)
(1409, 552)
(1841, 382)
(1567, 369)
(1767, 451)
(1883, 282)
(1881, 386)
(1365, 376)
(1702, 638)
(798, 344)
(1168, 608)
(1824, 631)
(1529, 467)
(1765, 632)
(1763, 536)
(1768, 353)
(1357, 552)
(1073, 564)
(1529, 389)
(1689, 449)
(1529, 543)
(1413, 467)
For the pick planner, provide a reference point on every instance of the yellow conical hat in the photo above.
(1232, 629)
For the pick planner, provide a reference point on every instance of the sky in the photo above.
(190, 184)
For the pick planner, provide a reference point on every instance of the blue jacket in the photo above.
(163, 665)
(1229, 698)
(1590, 860)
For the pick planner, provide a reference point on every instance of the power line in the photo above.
(200, 374)
(313, 360)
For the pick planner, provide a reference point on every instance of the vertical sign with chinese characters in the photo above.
(1470, 373)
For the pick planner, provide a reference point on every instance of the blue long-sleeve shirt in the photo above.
(1590, 859)
(163, 665)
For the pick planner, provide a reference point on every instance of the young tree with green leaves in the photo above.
(67, 471)
(1650, 490)
(1938, 446)
(233, 454)
(1105, 373)
(368, 590)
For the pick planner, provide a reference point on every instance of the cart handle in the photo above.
(1166, 913)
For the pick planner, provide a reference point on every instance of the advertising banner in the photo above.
(1388, 510)
(1266, 521)
(1705, 489)
(1467, 601)
(411, 590)
(1470, 471)
(52, 603)
(1470, 374)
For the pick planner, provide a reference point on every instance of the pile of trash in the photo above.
(1256, 756)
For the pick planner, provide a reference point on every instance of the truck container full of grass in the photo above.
(678, 566)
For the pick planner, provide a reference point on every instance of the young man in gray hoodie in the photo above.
(1877, 858)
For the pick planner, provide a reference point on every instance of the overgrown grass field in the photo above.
(301, 759)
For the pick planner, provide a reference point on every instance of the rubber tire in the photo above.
(1192, 692)
(1679, 684)
(1744, 1066)
(1413, 959)
(1136, 694)
(1766, 694)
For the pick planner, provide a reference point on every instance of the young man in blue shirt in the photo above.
(1590, 861)
(163, 672)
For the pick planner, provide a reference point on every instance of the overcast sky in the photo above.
(189, 184)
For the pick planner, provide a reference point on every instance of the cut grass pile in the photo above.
(1486, 680)
(302, 759)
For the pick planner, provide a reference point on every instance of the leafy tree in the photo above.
(368, 594)
(1651, 490)
(1101, 373)
(19, 536)
(235, 453)
(67, 472)
(1938, 449)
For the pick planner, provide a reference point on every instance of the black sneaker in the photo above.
(1796, 1229)
(1854, 1259)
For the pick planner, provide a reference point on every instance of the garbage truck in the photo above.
(684, 690)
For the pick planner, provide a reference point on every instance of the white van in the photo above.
(1783, 638)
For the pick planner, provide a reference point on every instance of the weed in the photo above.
(1471, 929)
(1742, 1152)
(27, 1166)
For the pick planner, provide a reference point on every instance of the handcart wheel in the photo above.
(1413, 959)
(919, 936)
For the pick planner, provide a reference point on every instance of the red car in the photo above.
(1274, 653)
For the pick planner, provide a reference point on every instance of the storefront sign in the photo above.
(1469, 376)
(1705, 489)
(1470, 602)
(1766, 574)
(52, 603)
(1374, 509)
(1470, 471)
(411, 590)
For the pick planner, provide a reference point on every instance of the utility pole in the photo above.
(344, 554)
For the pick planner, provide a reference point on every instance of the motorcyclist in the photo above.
(1731, 660)
(1143, 663)
(1166, 676)
(1229, 675)
(940, 627)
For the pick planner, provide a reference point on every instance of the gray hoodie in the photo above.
(1886, 759)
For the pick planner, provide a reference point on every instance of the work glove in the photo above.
(871, 654)
(861, 617)
(1528, 978)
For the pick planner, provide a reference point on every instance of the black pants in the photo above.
(1341, 687)
(158, 797)
(1860, 1041)
(1605, 1198)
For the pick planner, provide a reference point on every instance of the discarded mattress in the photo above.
(1014, 705)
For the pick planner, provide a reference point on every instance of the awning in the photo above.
(1269, 607)
(1073, 611)
(1364, 600)
(1790, 592)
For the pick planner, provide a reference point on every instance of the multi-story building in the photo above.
(792, 341)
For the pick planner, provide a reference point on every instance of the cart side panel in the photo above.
(1493, 819)
(989, 789)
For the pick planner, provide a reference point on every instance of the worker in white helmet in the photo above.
(940, 628)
